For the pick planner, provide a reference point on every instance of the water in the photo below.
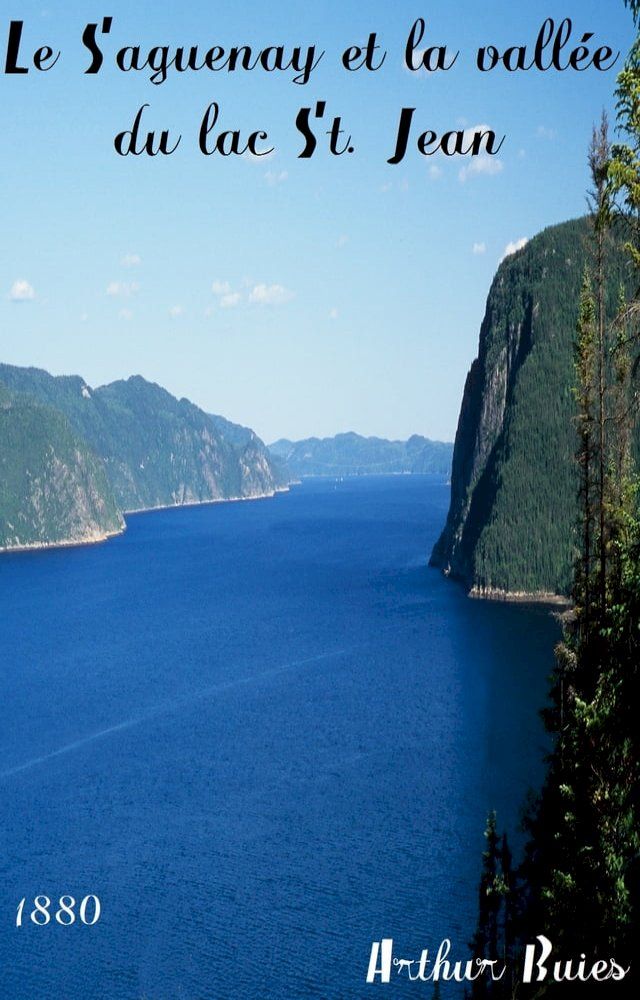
(265, 735)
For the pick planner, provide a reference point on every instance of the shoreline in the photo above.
(206, 503)
(370, 475)
(518, 596)
(101, 537)
(67, 543)
(477, 593)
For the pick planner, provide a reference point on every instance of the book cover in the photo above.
(319, 533)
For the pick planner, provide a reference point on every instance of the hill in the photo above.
(51, 484)
(132, 444)
(510, 526)
(353, 455)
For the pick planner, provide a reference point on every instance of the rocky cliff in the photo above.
(51, 485)
(132, 444)
(511, 522)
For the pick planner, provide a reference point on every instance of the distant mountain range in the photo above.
(352, 455)
(74, 458)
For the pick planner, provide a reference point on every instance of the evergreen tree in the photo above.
(581, 873)
(493, 940)
(600, 204)
(581, 869)
(585, 395)
(624, 171)
(507, 886)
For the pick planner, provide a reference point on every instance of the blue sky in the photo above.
(298, 296)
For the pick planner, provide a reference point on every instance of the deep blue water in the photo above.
(265, 735)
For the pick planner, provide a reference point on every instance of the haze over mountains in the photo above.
(73, 458)
(353, 455)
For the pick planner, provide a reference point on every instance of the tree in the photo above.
(580, 878)
(624, 173)
(493, 939)
(600, 204)
(585, 396)
(582, 868)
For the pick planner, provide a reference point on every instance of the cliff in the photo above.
(78, 456)
(511, 522)
(51, 486)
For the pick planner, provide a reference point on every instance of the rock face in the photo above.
(510, 526)
(353, 455)
(51, 485)
(128, 446)
(260, 471)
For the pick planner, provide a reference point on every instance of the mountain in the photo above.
(255, 458)
(51, 485)
(140, 447)
(352, 455)
(510, 527)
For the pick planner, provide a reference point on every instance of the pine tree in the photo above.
(580, 877)
(507, 887)
(624, 171)
(585, 353)
(582, 866)
(494, 935)
(600, 205)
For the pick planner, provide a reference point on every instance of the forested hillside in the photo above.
(511, 522)
(51, 485)
(353, 455)
(73, 457)
(577, 889)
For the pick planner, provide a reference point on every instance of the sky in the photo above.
(299, 296)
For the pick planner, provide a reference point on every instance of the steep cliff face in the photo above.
(157, 450)
(260, 471)
(73, 457)
(511, 521)
(52, 488)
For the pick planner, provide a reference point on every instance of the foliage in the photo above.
(625, 165)
(52, 488)
(132, 444)
(156, 450)
(579, 883)
(511, 525)
(494, 937)
(353, 455)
